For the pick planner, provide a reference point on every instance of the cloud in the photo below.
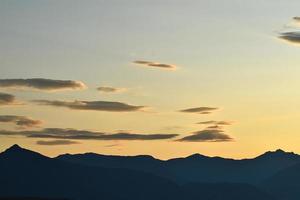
(107, 89)
(7, 99)
(92, 105)
(297, 19)
(222, 123)
(56, 142)
(21, 121)
(214, 127)
(155, 64)
(112, 145)
(73, 134)
(291, 37)
(42, 84)
(207, 135)
(200, 110)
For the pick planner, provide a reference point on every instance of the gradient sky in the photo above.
(227, 53)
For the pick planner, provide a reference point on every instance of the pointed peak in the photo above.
(14, 147)
(17, 152)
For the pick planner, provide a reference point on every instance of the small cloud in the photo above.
(214, 127)
(291, 37)
(200, 110)
(56, 142)
(107, 89)
(155, 64)
(112, 145)
(297, 19)
(7, 99)
(42, 84)
(207, 135)
(20, 121)
(222, 123)
(73, 134)
(92, 105)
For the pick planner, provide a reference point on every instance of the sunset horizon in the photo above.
(138, 79)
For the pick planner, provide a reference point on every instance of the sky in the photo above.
(168, 78)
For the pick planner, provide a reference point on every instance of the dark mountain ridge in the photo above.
(25, 173)
(197, 167)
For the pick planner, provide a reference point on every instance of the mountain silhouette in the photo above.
(197, 167)
(25, 173)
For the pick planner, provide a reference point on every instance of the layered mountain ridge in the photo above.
(26, 173)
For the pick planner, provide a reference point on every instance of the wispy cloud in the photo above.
(207, 135)
(7, 99)
(42, 84)
(20, 121)
(200, 110)
(222, 123)
(292, 37)
(155, 64)
(110, 106)
(108, 89)
(73, 134)
(56, 142)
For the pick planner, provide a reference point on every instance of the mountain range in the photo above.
(27, 174)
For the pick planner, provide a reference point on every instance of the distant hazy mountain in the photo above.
(25, 173)
(285, 184)
(196, 168)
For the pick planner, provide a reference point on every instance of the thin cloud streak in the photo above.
(200, 110)
(42, 84)
(109, 106)
(155, 64)
(222, 123)
(73, 134)
(56, 142)
(108, 89)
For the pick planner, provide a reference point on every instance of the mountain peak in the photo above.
(279, 153)
(14, 147)
(17, 152)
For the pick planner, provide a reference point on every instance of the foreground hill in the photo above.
(26, 173)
